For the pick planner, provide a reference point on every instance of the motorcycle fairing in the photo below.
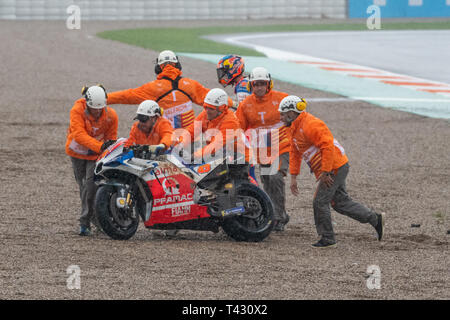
(173, 197)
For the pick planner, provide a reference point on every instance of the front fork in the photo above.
(124, 198)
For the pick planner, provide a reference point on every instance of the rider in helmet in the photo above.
(151, 128)
(92, 129)
(230, 71)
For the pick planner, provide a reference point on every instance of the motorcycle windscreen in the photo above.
(173, 198)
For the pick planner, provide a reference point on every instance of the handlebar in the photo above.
(143, 152)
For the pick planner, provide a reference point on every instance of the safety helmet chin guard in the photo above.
(148, 108)
(216, 99)
(95, 97)
(292, 103)
(229, 68)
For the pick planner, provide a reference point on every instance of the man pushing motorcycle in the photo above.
(222, 123)
(312, 141)
(151, 128)
(259, 117)
(92, 129)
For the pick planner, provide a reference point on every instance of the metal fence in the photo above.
(172, 9)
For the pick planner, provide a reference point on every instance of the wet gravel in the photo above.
(399, 164)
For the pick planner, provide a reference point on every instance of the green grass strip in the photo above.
(189, 39)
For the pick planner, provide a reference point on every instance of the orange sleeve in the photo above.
(230, 103)
(132, 96)
(78, 129)
(281, 95)
(111, 133)
(197, 92)
(132, 136)
(295, 161)
(216, 144)
(241, 116)
(165, 132)
(319, 134)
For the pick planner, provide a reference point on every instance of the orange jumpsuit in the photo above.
(226, 121)
(177, 105)
(261, 115)
(269, 138)
(161, 133)
(313, 141)
(86, 135)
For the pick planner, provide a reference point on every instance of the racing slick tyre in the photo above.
(256, 223)
(117, 223)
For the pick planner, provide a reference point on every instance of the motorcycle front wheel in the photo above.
(257, 222)
(116, 222)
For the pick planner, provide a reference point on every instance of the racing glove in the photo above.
(107, 144)
(157, 148)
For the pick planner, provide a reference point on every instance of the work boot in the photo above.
(85, 231)
(324, 243)
(279, 225)
(380, 225)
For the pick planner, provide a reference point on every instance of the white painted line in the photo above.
(350, 99)
(400, 99)
(292, 56)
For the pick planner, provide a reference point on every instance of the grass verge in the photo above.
(190, 39)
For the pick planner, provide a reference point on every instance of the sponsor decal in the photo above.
(237, 210)
(204, 168)
(166, 171)
(181, 211)
(171, 186)
(173, 199)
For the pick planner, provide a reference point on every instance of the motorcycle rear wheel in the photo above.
(115, 222)
(257, 222)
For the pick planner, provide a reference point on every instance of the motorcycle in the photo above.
(169, 194)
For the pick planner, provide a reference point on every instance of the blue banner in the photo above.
(400, 8)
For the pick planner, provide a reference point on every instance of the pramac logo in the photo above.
(170, 186)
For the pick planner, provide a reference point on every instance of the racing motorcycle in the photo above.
(169, 194)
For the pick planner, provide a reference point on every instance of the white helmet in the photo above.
(95, 97)
(149, 108)
(216, 97)
(259, 73)
(167, 56)
(292, 103)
